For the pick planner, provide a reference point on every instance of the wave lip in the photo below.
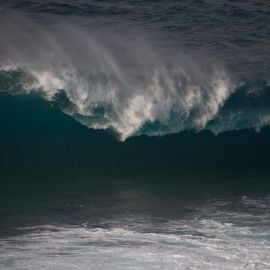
(167, 101)
(156, 106)
(129, 85)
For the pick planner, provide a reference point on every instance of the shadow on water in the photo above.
(38, 140)
(54, 170)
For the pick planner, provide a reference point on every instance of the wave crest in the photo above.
(167, 101)
(129, 84)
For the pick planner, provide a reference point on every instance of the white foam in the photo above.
(224, 234)
(133, 85)
(156, 99)
(131, 80)
(46, 82)
(218, 246)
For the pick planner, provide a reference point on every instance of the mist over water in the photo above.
(123, 82)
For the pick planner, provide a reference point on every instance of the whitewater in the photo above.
(219, 234)
(132, 83)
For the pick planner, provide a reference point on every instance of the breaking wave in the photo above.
(124, 84)
(166, 103)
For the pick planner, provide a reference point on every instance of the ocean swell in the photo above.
(128, 85)
(165, 101)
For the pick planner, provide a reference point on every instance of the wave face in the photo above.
(158, 106)
(39, 141)
(131, 82)
(140, 89)
(160, 103)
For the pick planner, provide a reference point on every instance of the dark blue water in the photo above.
(134, 135)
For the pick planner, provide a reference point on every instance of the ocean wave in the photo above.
(165, 103)
(130, 86)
